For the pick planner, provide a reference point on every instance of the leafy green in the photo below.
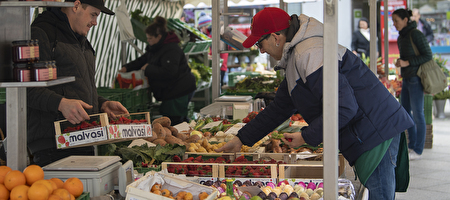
(144, 154)
(204, 70)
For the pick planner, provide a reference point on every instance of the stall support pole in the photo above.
(215, 48)
(16, 122)
(330, 100)
(373, 36)
(386, 38)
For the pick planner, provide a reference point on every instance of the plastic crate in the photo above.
(128, 96)
(235, 77)
(2, 95)
(428, 108)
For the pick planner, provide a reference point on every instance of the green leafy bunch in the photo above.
(441, 62)
(154, 155)
(201, 69)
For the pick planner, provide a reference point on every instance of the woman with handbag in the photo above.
(412, 95)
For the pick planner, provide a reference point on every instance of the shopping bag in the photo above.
(432, 77)
(402, 168)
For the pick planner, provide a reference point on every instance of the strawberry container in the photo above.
(130, 126)
(192, 169)
(83, 134)
(253, 172)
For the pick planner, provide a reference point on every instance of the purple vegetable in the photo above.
(247, 183)
(311, 186)
(208, 183)
(221, 190)
(238, 183)
(272, 195)
(320, 185)
(283, 196)
(262, 195)
(284, 181)
(302, 184)
(293, 195)
(270, 184)
(217, 184)
(259, 184)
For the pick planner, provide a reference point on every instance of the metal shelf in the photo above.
(235, 14)
(58, 81)
(35, 4)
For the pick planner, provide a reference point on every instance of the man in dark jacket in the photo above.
(370, 118)
(62, 37)
(423, 25)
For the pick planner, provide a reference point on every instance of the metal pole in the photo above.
(215, 48)
(386, 38)
(330, 100)
(373, 36)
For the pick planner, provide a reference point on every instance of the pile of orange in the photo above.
(31, 185)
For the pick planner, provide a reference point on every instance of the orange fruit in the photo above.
(3, 171)
(74, 186)
(54, 197)
(19, 192)
(63, 193)
(38, 191)
(54, 186)
(13, 179)
(47, 183)
(59, 183)
(4, 193)
(33, 173)
(72, 197)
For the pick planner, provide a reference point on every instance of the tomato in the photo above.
(294, 118)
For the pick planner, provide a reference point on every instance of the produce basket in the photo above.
(140, 189)
(235, 77)
(84, 196)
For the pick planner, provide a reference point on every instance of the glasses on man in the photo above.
(258, 44)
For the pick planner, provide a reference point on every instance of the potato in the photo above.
(193, 138)
(173, 130)
(164, 121)
(173, 140)
(182, 136)
(191, 149)
(167, 130)
(158, 130)
(159, 141)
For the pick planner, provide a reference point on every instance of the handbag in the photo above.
(432, 77)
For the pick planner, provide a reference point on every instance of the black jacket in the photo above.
(74, 56)
(168, 72)
(427, 31)
(360, 44)
(407, 52)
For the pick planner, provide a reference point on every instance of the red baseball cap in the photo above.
(266, 21)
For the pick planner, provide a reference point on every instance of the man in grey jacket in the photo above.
(62, 37)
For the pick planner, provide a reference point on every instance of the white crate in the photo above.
(140, 189)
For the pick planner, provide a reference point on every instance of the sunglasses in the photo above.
(258, 43)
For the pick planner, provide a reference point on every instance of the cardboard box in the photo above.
(306, 169)
(103, 134)
(140, 189)
(80, 138)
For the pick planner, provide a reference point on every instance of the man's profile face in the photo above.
(85, 19)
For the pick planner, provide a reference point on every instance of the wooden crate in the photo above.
(213, 166)
(306, 169)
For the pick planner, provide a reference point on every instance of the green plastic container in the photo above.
(2, 95)
(235, 77)
(428, 108)
(84, 196)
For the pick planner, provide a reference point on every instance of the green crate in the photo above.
(202, 46)
(2, 95)
(84, 196)
(235, 77)
(143, 170)
(188, 47)
(428, 108)
(128, 95)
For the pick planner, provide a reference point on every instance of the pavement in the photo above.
(430, 175)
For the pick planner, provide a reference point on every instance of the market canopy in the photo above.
(231, 3)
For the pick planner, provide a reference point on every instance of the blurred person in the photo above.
(167, 70)
(422, 25)
(204, 25)
(62, 37)
(412, 95)
(370, 118)
(361, 39)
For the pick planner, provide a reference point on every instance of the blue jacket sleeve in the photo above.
(313, 134)
(267, 120)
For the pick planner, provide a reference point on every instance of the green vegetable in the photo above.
(283, 125)
(199, 125)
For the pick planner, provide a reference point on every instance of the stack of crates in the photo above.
(428, 112)
(2, 95)
(133, 100)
